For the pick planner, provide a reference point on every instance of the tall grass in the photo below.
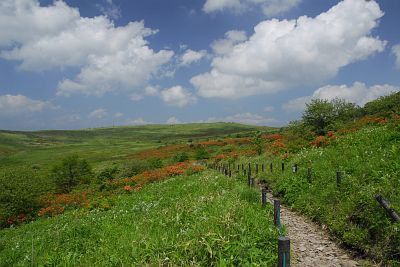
(203, 219)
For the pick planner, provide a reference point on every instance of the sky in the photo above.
(80, 64)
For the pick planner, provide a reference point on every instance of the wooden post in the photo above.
(309, 174)
(249, 167)
(253, 182)
(242, 166)
(338, 178)
(264, 197)
(248, 179)
(230, 173)
(283, 167)
(277, 213)
(391, 212)
(283, 251)
(256, 168)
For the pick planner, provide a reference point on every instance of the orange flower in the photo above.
(127, 188)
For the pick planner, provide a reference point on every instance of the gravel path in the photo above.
(310, 245)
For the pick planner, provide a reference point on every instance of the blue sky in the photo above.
(77, 64)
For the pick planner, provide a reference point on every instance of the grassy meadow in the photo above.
(202, 219)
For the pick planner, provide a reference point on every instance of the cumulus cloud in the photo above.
(282, 54)
(11, 105)
(98, 114)
(357, 93)
(269, 7)
(190, 56)
(173, 120)
(178, 96)
(225, 46)
(110, 58)
(396, 52)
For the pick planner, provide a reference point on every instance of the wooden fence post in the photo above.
(283, 167)
(253, 182)
(283, 251)
(391, 212)
(277, 213)
(264, 197)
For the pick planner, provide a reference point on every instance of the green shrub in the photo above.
(155, 163)
(180, 157)
(202, 153)
(107, 174)
(19, 195)
(70, 172)
(133, 168)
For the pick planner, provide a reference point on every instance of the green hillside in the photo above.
(203, 219)
(102, 145)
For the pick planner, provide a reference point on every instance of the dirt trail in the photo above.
(310, 245)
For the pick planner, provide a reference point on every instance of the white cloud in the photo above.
(152, 90)
(98, 114)
(219, 5)
(110, 58)
(11, 105)
(137, 121)
(396, 52)
(244, 118)
(269, 7)
(297, 104)
(173, 120)
(358, 93)
(225, 46)
(283, 54)
(190, 56)
(110, 10)
(269, 108)
(178, 96)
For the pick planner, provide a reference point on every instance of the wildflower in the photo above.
(127, 188)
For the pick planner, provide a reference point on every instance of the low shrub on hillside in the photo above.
(70, 172)
(19, 195)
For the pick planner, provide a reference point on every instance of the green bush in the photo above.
(107, 174)
(70, 172)
(201, 153)
(19, 195)
(133, 168)
(155, 163)
(180, 157)
(323, 115)
(384, 104)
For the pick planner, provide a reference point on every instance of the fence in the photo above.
(284, 242)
